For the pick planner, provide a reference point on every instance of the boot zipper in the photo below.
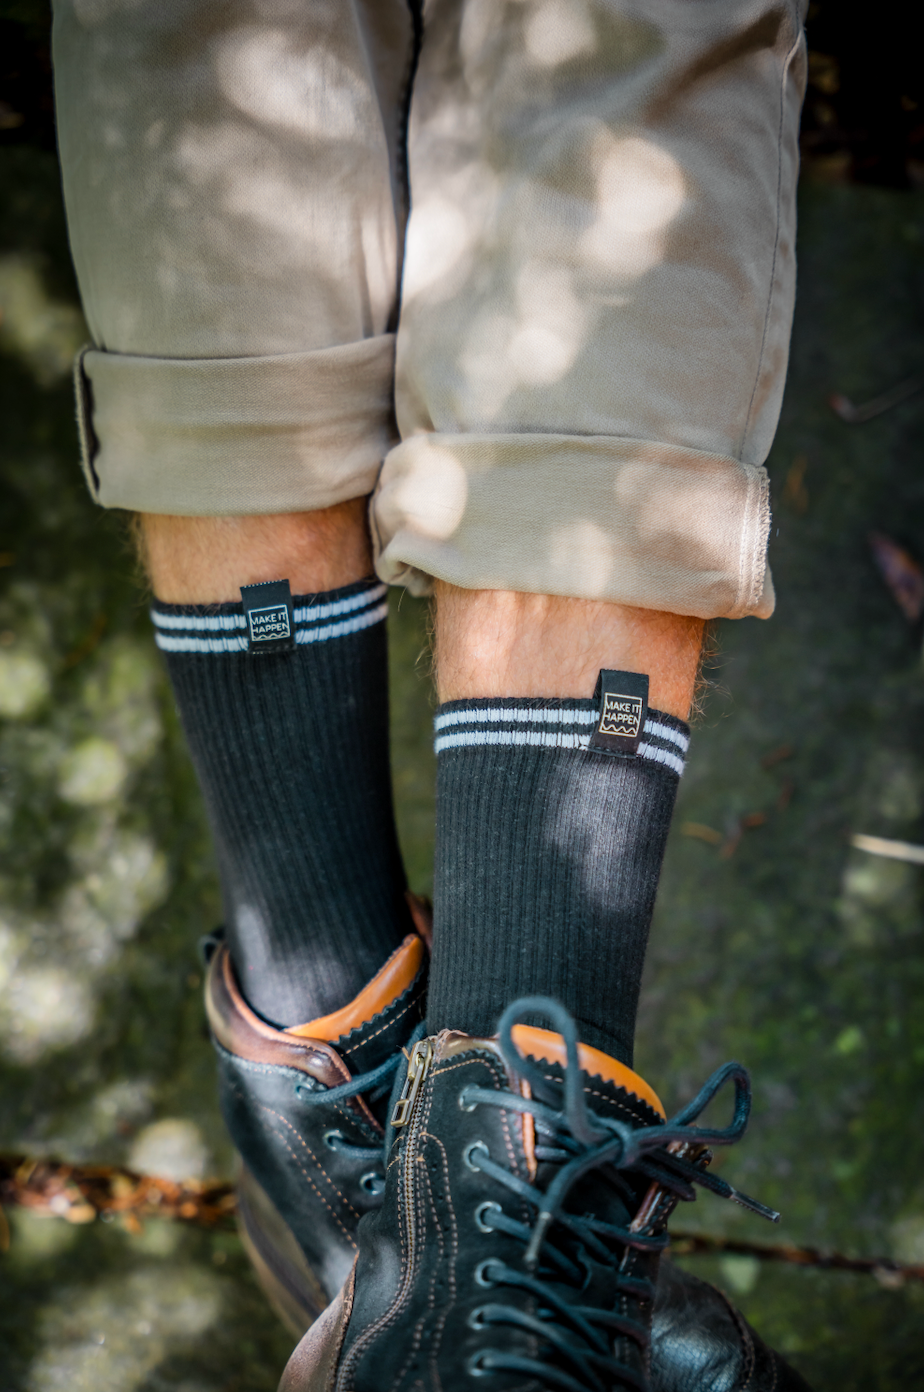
(417, 1069)
(405, 1115)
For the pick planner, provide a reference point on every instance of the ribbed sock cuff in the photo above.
(553, 724)
(222, 628)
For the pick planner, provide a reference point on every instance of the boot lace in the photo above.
(576, 1340)
(375, 1084)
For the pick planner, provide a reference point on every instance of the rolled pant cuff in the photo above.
(630, 521)
(236, 435)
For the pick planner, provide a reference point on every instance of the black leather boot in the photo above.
(306, 1109)
(529, 1183)
(701, 1343)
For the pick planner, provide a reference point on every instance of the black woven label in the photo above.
(269, 615)
(623, 700)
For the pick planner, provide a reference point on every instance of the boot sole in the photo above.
(284, 1275)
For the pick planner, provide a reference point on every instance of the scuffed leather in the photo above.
(313, 1365)
(701, 1343)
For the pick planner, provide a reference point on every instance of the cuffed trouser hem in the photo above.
(629, 521)
(236, 435)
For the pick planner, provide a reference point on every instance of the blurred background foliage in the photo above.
(774, 940)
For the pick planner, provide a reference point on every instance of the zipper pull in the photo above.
(417, 1069)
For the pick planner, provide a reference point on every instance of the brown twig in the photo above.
(795, 493)
(83, 1193)
(891, 1274)
(902, 574)
(858, 415)
(777, 756)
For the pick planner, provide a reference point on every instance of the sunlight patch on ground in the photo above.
(172, 1148)
(43, 1008)
(24, 684)
(43, 332)
(111, 1337)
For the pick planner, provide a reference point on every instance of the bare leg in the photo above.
(206, 560)
(499, 643)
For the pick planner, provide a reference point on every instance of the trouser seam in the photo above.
(751, 548)
(415, 9)
(776, 236)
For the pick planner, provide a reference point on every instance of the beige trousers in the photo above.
(561, 374)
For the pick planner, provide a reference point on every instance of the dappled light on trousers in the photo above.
(433, 493)
(445, 232)
(640, 191)
(262, 72)
(588, 245)
(217, 172)
(583, 550)
(558, 31)
(533, 344)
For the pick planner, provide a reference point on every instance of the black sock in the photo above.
(547, 863)
(291, 751)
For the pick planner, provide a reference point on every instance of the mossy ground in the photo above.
(795, 953)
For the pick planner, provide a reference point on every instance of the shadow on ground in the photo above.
(793, 952)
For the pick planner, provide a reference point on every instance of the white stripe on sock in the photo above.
(545, 739)
(550, 739)
(199, 623)
(661, 756)
(540, 715)
(313, 613)
(169, 642)
(340, 630)
(667, 732)
(497, 716)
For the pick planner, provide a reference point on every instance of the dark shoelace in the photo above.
(376, 1084)
(577, 1339)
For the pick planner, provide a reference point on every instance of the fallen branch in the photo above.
(857, 415)
(888, 1273)
(83, 1193)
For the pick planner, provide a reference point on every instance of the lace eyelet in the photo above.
(308, 1087)
(474, 1365)
(469, 1151)
(482, 1209)
(373, 1181)
(330, 1139)
(464, 1106)
(476, 1321)
(481, 1274)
